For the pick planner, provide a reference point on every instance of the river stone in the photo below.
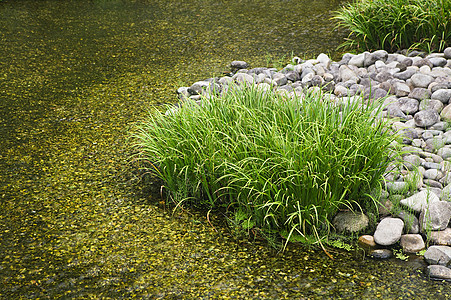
(357, 60)
(431, 104)
(438, 61)
(381, 253)
(238, 64)
(443, 95)
(349, 221)
(345, 74)
(441, 237)
(447, 53)
(436, 216)
(388, 231)
(426, 118)
(397, 187)
(243, 78)
(420, 94)
(411, 223)
(438, 255)
(366, 242)
(433, 174)
(279, 79)
(412, 243)
(438, 272)
(408, 105)
(420, 200)
(324, 60)
(421, 80)
(446, 113)
(393, 111)
(401, 89)
(407, 74)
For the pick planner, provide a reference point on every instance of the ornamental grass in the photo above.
(396, 24)
(284, 165)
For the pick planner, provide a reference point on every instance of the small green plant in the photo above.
(396, 24)
(399, 254)
(340, 244)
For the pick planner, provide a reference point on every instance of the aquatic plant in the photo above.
(396, 24)
(282, 164)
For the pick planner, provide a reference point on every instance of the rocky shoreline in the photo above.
(416, 202)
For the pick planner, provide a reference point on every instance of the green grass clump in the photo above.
(397, 24)
(284, 165)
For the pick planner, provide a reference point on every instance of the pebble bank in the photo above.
(416, 89)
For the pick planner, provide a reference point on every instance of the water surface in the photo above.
(76, 220)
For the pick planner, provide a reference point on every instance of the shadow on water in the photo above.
(74, 77)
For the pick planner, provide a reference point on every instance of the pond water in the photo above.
(77, 222)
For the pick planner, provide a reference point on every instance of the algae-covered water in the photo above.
(76, 220)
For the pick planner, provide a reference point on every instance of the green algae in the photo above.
(76, 218)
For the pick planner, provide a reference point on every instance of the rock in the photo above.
(388, 231)
(444, 152)
(381, 254)
(438, 255)
(243, 79)
(408, 105)
(419, 201)
(411, 223)
(426, 118)
(441, 237)
(433, 174)
(292, 76)
(438, 61)
(420, 94)
(446, 113)
(350, 221)
(438, 272)
(431, 104)
(401, 89)
(324, 59)
(238, 64)
(412, 243)
(357, 60)
(421, 80)
(447, 53)
(397, 187)
(435, 216)
(407, 74)
(345, 74)
(408, 135)
(394, 111)
(366, 242)
(279, 79)
(443, 95)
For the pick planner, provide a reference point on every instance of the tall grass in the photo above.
(286, 164)
(397, 24)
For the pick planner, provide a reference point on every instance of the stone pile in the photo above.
(416, 202)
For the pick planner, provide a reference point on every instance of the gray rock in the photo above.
(420, 200)
(401, 89)
(422, 62)
(426, 118)
(444, 152)
(397, 187)
(243, 79)
(431, 104)
(436, 216)
(412, 161)
(405, 75)
(412, 243)
(447, 53)
(441, 237)
(445, 114)
(420, 94)
(411, 223)
(438, 272)
(345, 74)
(431, 183)
(292, 76)
(438, 255)
(357, 60)
(421, 80)
(438, 61)
(381, 254)
(324, 60)
(443, 95)
(350, 221)
(393, 111)
(279, 79)
(388, 231)
(238, 64)
(408, 105)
